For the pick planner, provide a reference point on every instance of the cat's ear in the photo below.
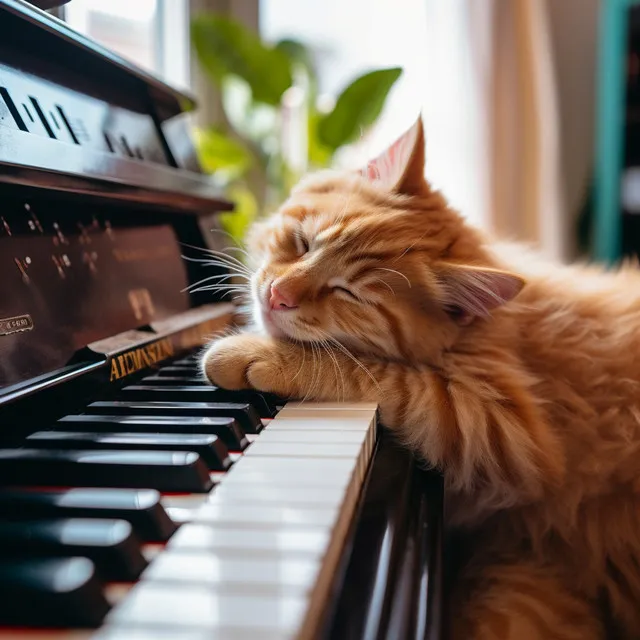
(400, 168)
(471, 291)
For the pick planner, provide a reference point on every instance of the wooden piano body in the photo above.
(100, 195)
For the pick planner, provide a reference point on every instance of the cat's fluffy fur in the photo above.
(520, 381)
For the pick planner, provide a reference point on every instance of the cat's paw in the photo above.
(247, 361)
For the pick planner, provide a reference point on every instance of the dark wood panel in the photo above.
(31, 160)
(66, 283)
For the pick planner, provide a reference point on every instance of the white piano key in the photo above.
(38, 634)
(311, 436)
(232, 571)
(182, 508)
(154, 603)
(113, 632)
(289, 465)
(323, 422)
(350, 451)
(335, 412)
(284, 477)
(311, 542)
(151, 632)
(220, 512)
(308, 472)
(278, 494)
(186, 501)
(333, 406)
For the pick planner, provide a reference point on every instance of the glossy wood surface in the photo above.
(391, 581)
(30, 160)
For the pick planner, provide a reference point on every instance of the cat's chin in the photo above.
(271, 328)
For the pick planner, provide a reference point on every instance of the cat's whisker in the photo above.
(225, 260)
(317, 369)
(304, 355)
(337, 370)
(384, 282)
(225, 256)
(323, 341)
(356, 361)
(220, 277)
(394, 271)
(226, 289)
(208, 251)
(225, 285)
(217, 262)
(313, 372)
(241, 250)
(413, 244)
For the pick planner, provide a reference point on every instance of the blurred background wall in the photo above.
(506, 88)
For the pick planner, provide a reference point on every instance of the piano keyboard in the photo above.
(178, 510)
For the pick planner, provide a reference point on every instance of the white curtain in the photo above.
(509, 113)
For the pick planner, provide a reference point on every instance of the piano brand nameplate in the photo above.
(140, 358)
(132, 351)
(16, 324)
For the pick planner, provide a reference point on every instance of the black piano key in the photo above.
(265, 404)
(246, 416)
(187, 361)
(172, 381)
(209, 447)
(140, 507)
(172, 370)
(52, 592)
(170, 471)
(227, 429)
(110, 544)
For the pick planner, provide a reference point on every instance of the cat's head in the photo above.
(375, 260)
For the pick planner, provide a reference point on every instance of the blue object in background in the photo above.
(610, 135)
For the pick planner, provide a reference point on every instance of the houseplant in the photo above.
(273, 125)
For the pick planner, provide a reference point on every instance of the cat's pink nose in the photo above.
(281, 300)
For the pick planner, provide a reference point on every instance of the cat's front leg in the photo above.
(248, 361)
(287, 369)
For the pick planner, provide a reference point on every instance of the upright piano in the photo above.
(136, 500)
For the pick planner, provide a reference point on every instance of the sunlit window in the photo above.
(351, 38)
(429, 39)
(153, 34)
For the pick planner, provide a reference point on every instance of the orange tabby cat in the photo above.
(520, 381)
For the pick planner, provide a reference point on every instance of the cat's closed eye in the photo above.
(302, 244)
(338, 285)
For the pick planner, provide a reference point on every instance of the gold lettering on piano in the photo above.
(137, 359)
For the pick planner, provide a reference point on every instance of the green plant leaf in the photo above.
(254, 121)
(237, 222)
(225, 47)
(319, 154)
(357, 107)
(221, 155)
(297, 53)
